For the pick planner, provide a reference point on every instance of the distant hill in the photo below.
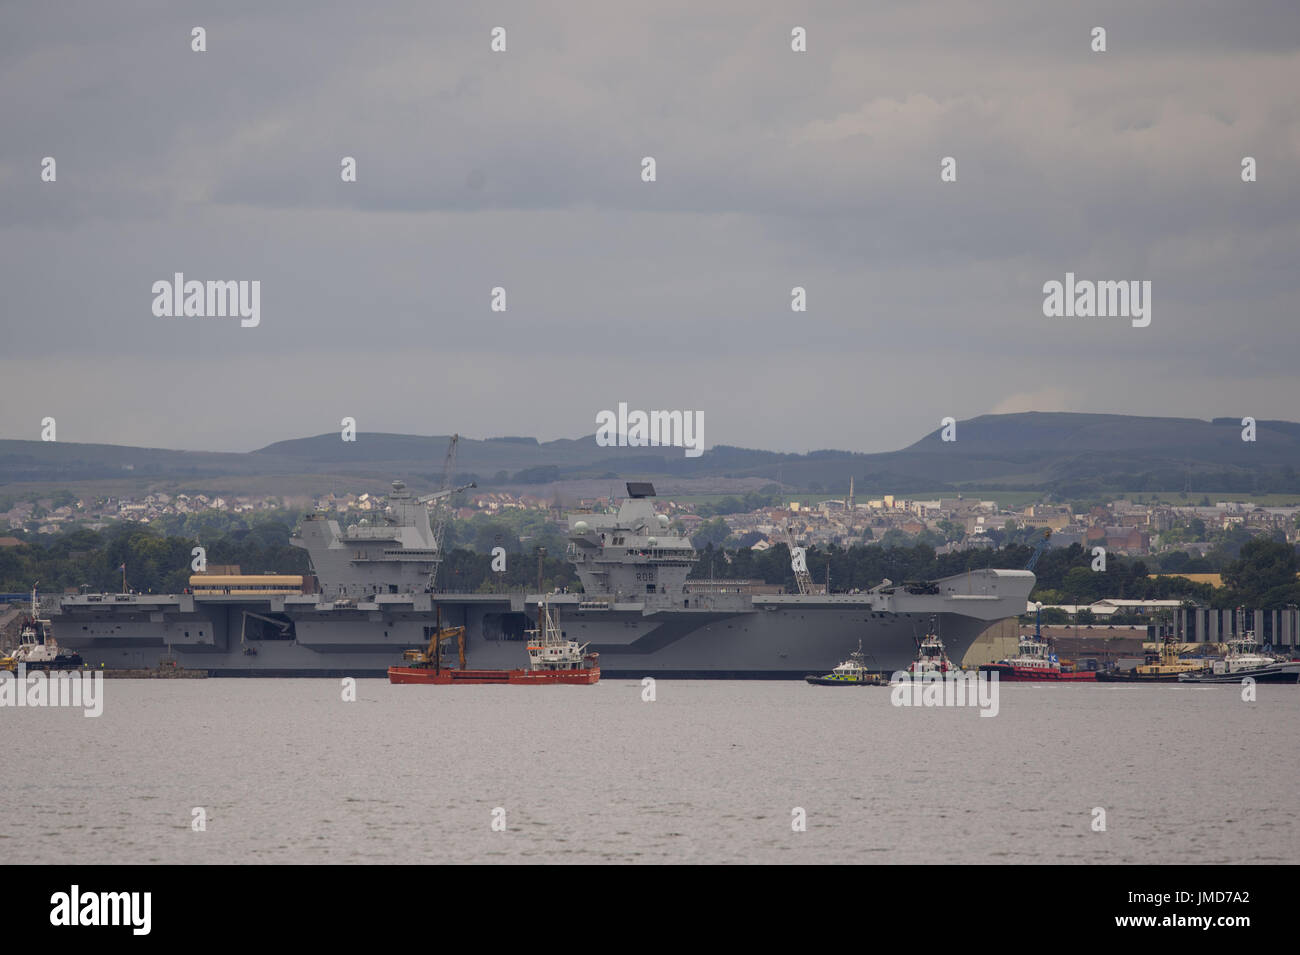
(1078, 453)
(1068, 454)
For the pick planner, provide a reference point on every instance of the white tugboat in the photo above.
(931, 657)
(37, 649)
(1243, 660)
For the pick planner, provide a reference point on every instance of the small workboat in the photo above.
(852, 672)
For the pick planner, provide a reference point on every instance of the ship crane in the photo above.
(798, 564)
(443, 495)
(442, 500)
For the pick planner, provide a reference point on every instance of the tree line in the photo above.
(1263, 576)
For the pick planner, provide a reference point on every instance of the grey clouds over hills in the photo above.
(522, 170)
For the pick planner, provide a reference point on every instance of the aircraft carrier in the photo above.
(636, 610)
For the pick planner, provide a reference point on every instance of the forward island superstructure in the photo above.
(372, 600)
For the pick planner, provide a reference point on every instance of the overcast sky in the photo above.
(522, 169)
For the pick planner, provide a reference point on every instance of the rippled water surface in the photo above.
(708, 772)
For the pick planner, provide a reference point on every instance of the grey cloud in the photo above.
(522, 170)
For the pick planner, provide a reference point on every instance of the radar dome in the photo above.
(581, 527)
(663, 520)
(651, 541)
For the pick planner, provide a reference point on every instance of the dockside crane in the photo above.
(441, 499)
(799, 563)
(1038, 549)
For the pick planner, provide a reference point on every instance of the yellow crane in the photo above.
(432, 654)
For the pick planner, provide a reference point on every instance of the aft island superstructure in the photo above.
(373, 601)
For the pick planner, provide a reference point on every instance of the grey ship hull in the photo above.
(719, 636)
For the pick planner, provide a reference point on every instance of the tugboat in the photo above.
(931, 657)
(1243, 660)
(551, 659)
(1035, 663)
(37, 648)
(852, 672)
(1163, 667)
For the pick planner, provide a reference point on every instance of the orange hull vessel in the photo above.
(551, 659)
(524, 677)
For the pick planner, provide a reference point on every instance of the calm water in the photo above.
(709, 772)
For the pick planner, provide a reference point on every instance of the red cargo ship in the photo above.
(551, 659)
(1035, 663)
(586, 675)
